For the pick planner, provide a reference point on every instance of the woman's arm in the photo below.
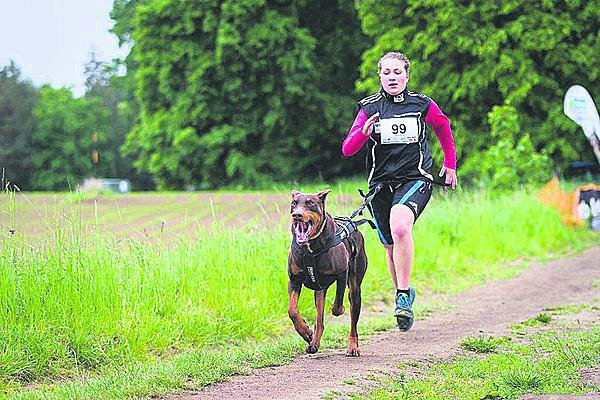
(441, 126)
(355, 139)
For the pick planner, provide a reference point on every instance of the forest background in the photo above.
(254, 92)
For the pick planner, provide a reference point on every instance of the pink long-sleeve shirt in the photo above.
(355, 139)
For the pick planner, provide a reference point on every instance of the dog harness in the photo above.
(313, 279)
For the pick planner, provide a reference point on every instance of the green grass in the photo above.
(121, 318)
(569, 309)
(548, 364)
(186, 370)
(481, 344)
(537, 321)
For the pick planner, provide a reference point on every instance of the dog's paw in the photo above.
(353, 351)
(307, 336)
(312, 349)
(337, 311)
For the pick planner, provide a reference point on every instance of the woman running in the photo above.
(393, 124)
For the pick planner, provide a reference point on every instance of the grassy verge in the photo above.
(94, 317)
(534, 362)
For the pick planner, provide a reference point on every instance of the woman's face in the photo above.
(393, 76)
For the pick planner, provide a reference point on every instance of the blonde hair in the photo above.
(395, 55)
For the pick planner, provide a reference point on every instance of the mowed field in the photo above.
(143, 215)
(120, 296)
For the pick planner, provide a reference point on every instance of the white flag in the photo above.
(580, 107)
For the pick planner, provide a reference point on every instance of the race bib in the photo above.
(399, 130)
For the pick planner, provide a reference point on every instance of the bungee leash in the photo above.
(370, 195)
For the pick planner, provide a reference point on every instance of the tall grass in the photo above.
(463, 236)
(84, 304)
(77, 302)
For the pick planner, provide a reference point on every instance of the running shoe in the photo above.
(403, 312)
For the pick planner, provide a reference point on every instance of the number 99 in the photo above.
(398, 129)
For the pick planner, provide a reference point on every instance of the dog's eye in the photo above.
(294, 203)
(310, 203)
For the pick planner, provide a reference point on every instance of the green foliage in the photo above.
(512, 160)
(522, 380)
(539, 320)
(472, 56)
(482, 344)
(106, 87)
(62, 142)
(543, 318)
(17, 99)
(123, 13)
(46, 133)
(239, 92)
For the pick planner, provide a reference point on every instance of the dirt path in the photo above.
(488, 310)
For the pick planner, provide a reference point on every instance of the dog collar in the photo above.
(343, 229)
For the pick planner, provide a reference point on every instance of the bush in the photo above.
(512, 161)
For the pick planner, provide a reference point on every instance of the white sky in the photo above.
(51, 40)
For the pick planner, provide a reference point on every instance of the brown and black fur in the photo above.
(334, 265)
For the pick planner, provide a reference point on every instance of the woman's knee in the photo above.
(401, 231)
(401, 223)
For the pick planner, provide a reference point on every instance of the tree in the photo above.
(240, 91)
(62, 141)
(17, 123)
(472, 56)
(512, 160)
(105, 86)
(97, 73)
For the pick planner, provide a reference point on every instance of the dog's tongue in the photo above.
(301, 230)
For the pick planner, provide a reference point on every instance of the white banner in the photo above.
(580, 107)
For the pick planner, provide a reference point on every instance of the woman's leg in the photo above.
(389, 258)
(401, 223)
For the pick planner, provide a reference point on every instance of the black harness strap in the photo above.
(395, 184)
(310, 261)
(344, 229)
(442, 184)
(367, 199)
(345, 226)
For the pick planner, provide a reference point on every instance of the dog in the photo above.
(324, 251)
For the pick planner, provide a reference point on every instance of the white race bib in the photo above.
(399, 130)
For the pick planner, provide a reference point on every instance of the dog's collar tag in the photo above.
(311, 274)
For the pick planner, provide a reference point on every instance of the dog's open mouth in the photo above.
(302, 231)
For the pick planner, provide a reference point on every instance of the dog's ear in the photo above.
(323, 195)
(295, 192)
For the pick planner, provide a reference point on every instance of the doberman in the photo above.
(324, 250)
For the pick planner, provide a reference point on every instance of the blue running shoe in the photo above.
(403, 312)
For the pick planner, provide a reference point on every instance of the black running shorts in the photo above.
(413, 194)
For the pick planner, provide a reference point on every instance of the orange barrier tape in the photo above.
(565, 203)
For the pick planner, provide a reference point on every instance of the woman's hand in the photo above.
(450, 176)
(368, 126)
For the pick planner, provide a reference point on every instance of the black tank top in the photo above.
(398, 149)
